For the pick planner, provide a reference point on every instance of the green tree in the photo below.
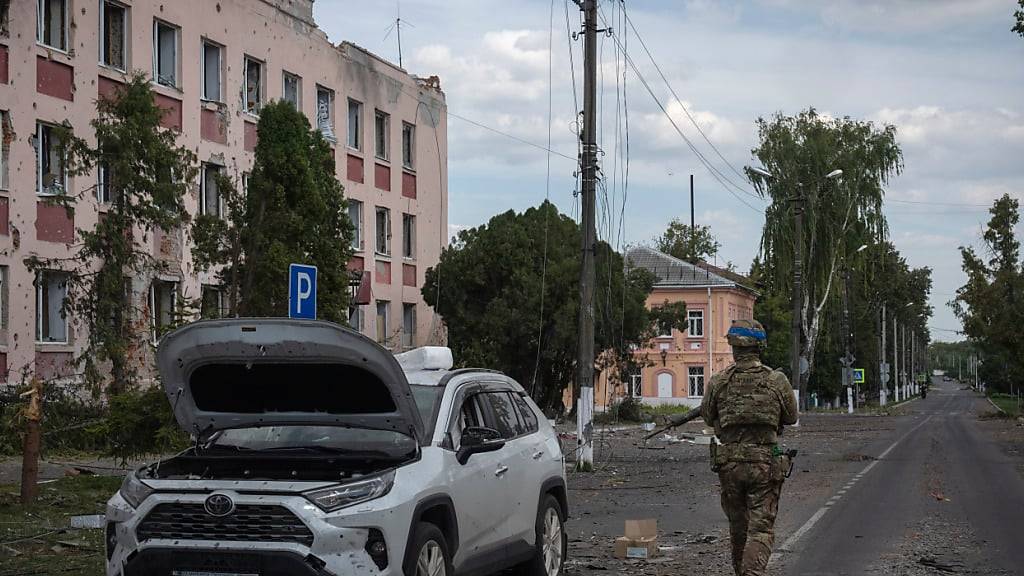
(509, 294)
(838, 215)
(293, 211)
(145, 176)
(990, 304)
(1018, 15)
(688, 244)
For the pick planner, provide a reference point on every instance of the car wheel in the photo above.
(552, 542)
(428, 553)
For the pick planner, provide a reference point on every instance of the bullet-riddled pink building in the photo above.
(214, 64)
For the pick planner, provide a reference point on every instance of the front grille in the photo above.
(248, 523)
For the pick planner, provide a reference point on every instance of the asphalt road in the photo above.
(935, 496)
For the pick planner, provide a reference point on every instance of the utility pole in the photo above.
(693, 226)
(883, 374)
(895, 359)
(847, 359)
(585, 360)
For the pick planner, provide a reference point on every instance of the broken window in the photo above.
(6, 136)
(383, 230)
(3, 298)
(355, 318)
(5, 10)
(51, 318)
(355, 214)
(51, 176)
(636, 389)
(408, 236)
(381, 123)
(113, 32)
(52, 23)
(325, 112)
(214, 303)
(408, 325)
(695, 323)
(696, 376)
(383, 311)
(163, 302)
(355, 124)
(209, 194)
(211, 71)
(292, 89)
(104, 184)
(408, 144)
(165, 54)
(252, 99)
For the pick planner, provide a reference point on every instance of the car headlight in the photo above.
(133, 490)
(342, 495)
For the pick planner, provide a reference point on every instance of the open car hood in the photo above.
(241, 372)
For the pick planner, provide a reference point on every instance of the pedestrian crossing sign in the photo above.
(858, 375)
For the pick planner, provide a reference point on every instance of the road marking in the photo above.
(796, 536)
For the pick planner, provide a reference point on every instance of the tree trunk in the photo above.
(33, 443)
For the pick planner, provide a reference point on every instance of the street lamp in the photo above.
(798, 286)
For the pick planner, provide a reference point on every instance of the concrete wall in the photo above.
(38, 83)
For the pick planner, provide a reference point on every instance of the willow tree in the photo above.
(839, 215)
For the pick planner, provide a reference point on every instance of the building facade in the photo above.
(213, 65)
(677, 366)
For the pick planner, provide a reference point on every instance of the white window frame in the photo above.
(408, 236)
(285, 76)
(382, 149)
(222, 308)
(103, 35)
(204, 169)
(692, 379)
(261, 96)
(41, 25)
(636, 386)
(154, 322)
(377, 231)
(205, 89)
(381, 335)
(41, 278)
(356, 318)
(409, 160)
(103, 195)
(357, 223)
(408, 336)
(40, 189)
(326, 128)
(157, 24)
(695, 318)
(355, 129)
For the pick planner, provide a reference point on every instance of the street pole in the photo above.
(846, 337)
(895, 359)
(798, 293)
(585, 360)
(882, 381)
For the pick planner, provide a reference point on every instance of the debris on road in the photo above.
(640, 541)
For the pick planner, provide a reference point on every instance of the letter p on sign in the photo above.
(302, 291)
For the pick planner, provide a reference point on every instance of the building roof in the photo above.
(671, 272)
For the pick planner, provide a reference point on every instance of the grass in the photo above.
(1006, 402)
(35, 539)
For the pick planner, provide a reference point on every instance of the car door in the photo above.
(477, 487)
(540, 464)
(521, 494)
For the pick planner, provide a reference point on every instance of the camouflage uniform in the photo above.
(748, 403)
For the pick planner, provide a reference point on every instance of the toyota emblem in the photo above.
(219, 505)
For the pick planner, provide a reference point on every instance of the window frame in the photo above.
(329, 132)
(636, 385)
(203, 87)
(285, 76)
(382, 337)
(157, 23)
(262, 85)
(41, 278)
(5, 18)
(384, 134)
(406, 333)
(204, 168)
(377, 231)
(41, 127)
(221, 303)
(409, 163)
(691, 377)
(156, 328)
(357, 130)
(5, 272)
(5, 148)
(692, 317)
(357, 314)
(65, 27)
(357, 224)
(103, 195)
(126, 37)
(408, 236)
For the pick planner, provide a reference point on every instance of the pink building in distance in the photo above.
(214, 63)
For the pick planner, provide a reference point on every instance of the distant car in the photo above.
(318, 452)
(947, 379)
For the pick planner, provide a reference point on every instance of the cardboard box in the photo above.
(640, 541)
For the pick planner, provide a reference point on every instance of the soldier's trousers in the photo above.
(750, 499)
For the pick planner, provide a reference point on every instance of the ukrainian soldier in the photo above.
(748, 403)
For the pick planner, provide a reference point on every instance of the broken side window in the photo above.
(209, 194)
(51, 176)
(252, 99)
(165, 53)
(163, 302)
(51, 318)
(325, 112)
(113, 31)
(211, 71)
(52, 23)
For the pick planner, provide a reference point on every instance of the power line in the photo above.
(507, 135)
(928, 202)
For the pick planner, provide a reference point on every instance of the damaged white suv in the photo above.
(318, 452)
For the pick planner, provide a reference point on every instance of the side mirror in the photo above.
(477, 440)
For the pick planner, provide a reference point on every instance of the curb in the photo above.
(1000, 410)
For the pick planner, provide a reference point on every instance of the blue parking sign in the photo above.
(302, 291)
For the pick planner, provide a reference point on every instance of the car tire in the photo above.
(552, 542)
(428, 553)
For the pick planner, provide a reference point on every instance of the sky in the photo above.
(948, 74)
